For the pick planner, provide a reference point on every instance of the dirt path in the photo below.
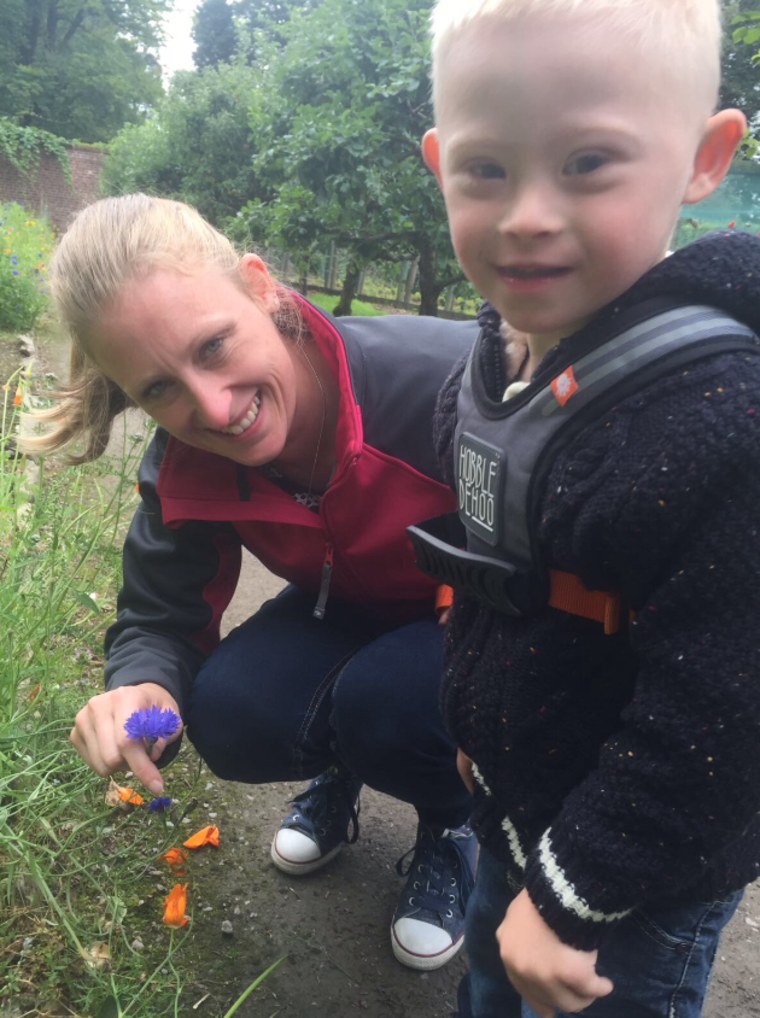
(333, 927)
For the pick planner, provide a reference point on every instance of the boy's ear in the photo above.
(722, 136)
(431, 152)
(258, 282)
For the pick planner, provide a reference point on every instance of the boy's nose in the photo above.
(531, 212)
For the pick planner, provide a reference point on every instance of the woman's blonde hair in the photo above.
(110, 243)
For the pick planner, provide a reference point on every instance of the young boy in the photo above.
(617, 775)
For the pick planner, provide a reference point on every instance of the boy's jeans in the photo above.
(659, 960)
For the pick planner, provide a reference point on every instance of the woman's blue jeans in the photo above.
(659, 959)
(286, 695)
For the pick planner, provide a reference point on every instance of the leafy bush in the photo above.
(25, 246)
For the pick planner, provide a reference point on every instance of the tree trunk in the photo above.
(403, 272)
(350, 285)
(362, 281)
(411, 279)
(328, 266)
(332, 281)
(303, 279)
(430, 288)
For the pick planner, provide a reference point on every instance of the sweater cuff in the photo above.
(564, 900)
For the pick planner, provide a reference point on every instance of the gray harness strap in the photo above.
(504, 450)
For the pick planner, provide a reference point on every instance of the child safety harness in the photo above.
(504, 451)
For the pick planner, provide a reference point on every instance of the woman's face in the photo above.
(204, 359)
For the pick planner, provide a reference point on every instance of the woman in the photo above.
(306, 441)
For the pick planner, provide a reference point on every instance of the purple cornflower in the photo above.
(160, 804)
(152, 723)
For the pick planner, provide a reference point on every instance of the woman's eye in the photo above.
(153, 392)
(586, 163)
(211, 348)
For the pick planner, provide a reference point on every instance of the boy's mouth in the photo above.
(528, 272)
(245, 422)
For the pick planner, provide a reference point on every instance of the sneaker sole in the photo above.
(424, 962)
(300, 869)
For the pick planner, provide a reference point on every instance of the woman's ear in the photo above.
(260, 285)
(431, 152)
(722, 136)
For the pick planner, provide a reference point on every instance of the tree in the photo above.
(214, 34)
(337, 119)
(258, 20)
(196, 145)
(740, 86)
(79, 68)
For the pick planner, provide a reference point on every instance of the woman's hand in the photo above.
(548, 974)
(100, 739)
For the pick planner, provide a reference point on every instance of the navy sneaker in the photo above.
(428, 927)
(323, 819)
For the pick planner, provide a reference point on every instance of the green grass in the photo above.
(327, 302)
(78, 884)
(81, 886)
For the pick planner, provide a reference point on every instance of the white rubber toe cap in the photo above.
(420, 945)
(295, 847)
(294, 852)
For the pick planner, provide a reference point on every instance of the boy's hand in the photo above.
(548, 975)
(100, 739)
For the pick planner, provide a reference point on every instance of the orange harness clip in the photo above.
(568, 593)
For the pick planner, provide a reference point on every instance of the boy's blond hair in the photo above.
(109, 244)
(684, 36)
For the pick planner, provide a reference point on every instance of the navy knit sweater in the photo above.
(620, 771)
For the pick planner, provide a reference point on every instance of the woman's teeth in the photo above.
(247, 421)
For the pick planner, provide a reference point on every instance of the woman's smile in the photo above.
(245, 422)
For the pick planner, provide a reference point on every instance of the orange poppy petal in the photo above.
(131, 797)
(175, 905)
(205, 836)
(175, 859)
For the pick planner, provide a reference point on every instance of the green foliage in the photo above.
(23, 146)
(337, 119)
(260, 22)
(196, 147)
(79, 70)
(25, 246)
(740, 86)
(213, 34)
(748, 31)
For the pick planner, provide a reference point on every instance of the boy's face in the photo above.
(563, 160)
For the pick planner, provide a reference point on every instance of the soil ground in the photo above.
(332, 928)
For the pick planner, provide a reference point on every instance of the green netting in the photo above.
(735, 204)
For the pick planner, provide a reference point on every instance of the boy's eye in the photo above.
(585, 163)
(487, 171)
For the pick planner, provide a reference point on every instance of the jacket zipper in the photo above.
(324, 586)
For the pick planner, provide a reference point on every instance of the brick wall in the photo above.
(45, 190)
